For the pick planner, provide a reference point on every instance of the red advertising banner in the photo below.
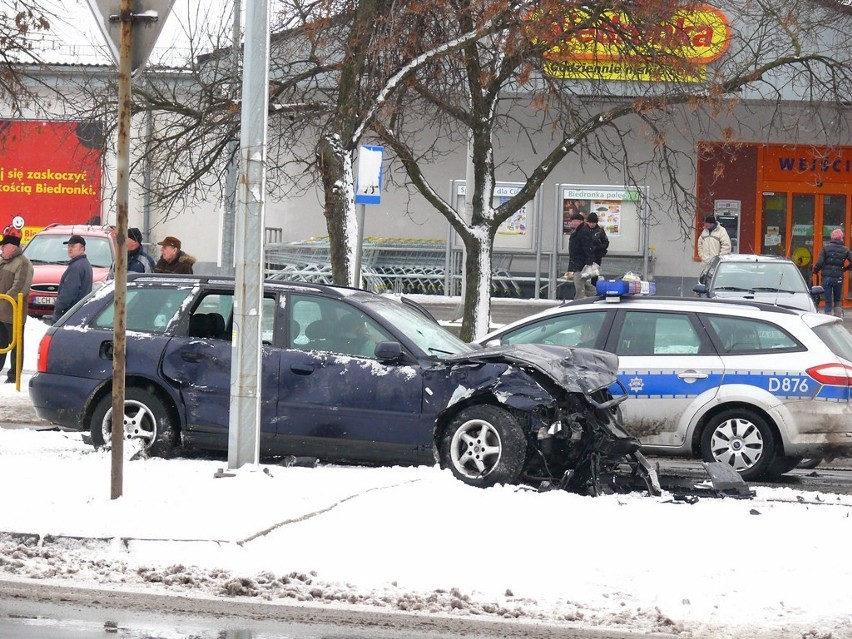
(50, 172)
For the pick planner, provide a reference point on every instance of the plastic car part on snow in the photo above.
(742, 439)
(145, 419)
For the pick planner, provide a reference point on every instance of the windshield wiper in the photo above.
(730, 288)
(432, 349)
(770, 289)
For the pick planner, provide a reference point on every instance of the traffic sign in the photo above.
(368, 187)
(148, 18)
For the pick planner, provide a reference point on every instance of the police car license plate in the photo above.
(44, 301)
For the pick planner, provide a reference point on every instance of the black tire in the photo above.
(742, 439)
(809, 464)
(781, 465)
(147, 415)
(483, 446)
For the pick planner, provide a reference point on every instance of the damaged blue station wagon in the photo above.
(348, 376)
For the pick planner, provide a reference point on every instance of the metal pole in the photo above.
(230, 212)
(122, 202)
(246, 346)
(359, 247)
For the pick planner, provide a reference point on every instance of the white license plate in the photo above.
(44, 301)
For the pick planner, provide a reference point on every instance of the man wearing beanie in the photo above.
(601, 240)
(16, 276)
(138, 261)
(832, 261)
(713, 240)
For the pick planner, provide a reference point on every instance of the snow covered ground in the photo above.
(415, 539)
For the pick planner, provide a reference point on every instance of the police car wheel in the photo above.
(808, 464)
(484, 446)
(781, 465)
(146, 420)
(741, 439)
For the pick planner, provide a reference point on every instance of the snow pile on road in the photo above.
(417, 540)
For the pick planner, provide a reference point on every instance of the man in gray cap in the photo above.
(76, 281)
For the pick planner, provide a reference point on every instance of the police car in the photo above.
(753, 385)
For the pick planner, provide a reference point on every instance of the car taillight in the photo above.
(43, 350)
(832, 374)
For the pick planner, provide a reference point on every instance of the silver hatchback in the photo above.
(761, 278)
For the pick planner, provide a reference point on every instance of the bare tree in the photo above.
(777, 51)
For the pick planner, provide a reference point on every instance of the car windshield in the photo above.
(49, 249)
(780, 277)
(837, 338)
(430, 337)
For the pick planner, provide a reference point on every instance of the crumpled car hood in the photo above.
(580, 370)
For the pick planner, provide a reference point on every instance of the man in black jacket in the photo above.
(581, 253)
(76, 281)
(832, 262)
(601, 240)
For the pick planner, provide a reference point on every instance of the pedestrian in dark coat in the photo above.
(76, 281)
(172, 258)
(581, 253)
(832, 262)
(601, 240)
(138, 261)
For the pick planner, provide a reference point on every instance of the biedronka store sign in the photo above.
(608, 46)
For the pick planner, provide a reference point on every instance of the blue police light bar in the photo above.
(613, 290)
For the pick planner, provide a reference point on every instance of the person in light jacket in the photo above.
(713, 241)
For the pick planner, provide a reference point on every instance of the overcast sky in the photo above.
(74, 35)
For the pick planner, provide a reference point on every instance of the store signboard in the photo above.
(610, 44)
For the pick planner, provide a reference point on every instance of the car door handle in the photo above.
(302, 369)
(691, 376)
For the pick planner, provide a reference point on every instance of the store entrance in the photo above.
(796, 225)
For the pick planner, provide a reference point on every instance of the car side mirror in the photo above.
(817, 290)
(701, 289)
(388, 351)
(493, 342)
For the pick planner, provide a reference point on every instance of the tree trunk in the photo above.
(477, 294)
(337, 180)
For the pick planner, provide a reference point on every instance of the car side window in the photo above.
(213, 318)
(149, 310)
(569, 329)
(741, 336)
(321, 324)
(644, 333)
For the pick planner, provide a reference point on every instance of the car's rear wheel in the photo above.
(741, 439)
(145, 419)
(484, 446)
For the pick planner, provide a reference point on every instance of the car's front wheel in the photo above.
(484, 446)
(741, 439)
(145, 419)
